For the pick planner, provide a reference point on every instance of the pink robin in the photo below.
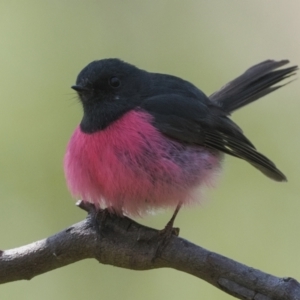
(147, 141)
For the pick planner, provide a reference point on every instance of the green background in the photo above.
(44, 44)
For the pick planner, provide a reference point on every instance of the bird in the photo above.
(150, 141)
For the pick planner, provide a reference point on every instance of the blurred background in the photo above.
(44, 45)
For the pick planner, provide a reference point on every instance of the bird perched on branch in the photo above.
(147, 141)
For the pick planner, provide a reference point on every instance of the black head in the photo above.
(107, 89)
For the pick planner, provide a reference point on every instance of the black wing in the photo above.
(203, 123)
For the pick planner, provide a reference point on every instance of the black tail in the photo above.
(255, 83)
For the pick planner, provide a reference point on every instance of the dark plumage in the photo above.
(109, 88)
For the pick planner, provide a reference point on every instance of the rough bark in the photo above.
(124, 243)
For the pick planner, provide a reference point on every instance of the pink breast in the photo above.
(131, 168)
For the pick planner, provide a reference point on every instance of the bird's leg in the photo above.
(165, 234)
(169, 227)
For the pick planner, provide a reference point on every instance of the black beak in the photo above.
(79, 88)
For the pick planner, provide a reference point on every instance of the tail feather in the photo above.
(255, 83)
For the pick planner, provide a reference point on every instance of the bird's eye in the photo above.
(114, 82)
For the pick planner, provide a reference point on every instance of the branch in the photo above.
(127, 244)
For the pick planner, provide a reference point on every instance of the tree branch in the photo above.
(127, 244)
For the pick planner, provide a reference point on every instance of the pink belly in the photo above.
(133, 169)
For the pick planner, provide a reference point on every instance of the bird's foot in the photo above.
(165, 235)
(98, 221)
(97, 216)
